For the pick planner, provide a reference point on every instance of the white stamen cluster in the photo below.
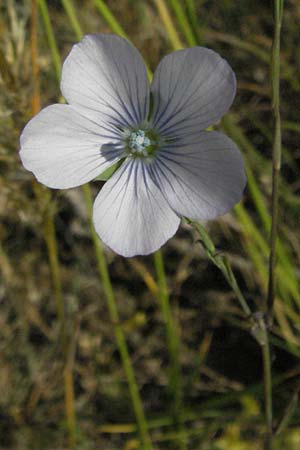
(139, 142)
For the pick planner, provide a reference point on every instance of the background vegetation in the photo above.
(196, 364)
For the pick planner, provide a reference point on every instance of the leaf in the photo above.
(104, 176)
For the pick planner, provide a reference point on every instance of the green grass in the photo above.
(102, 352)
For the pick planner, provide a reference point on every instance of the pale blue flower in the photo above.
(170, 167)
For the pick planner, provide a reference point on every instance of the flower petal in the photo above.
(106, 73)
(201, 180)
(64, 149)
(191, 88)
(131, 215)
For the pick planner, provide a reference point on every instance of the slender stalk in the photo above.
(50, 36)
(289, 411)
(259, 328)
(276, 164)
(173, 346)
(223, 264)
(35, 69)
(70, 405)
(114, 317)
(44, 198)
(70, 11)
(68, 372)
(183, 22)
(168, 23)
(193, 19)
(69, 386)
(69, 8)
(113, 23)
(109, 17)
(266, 357)
(51, 242)
(268, 392)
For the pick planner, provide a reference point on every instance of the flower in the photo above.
(168, 166)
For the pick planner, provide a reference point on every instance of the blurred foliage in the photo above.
(221, 362)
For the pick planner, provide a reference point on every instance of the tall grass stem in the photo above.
(193, 19)
(175, 384)
(266, 357)
(259, 328)
(50, 36)
(69, 8)
(168, 23)
(276, 166)
(223, 264)
(44, 198)
(183, 21)
(109, 18)
(276, 162)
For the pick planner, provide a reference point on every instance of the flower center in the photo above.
(141, 143)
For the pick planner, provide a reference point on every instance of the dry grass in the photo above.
(220, 361)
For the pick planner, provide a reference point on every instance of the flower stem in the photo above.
(50, 36)
(168, 23)
(221, 261)
(44, 198)
(259, 327)
(276, 163)
(183, 22)
(266, 357)
(173, 346)
(69, 8)
(193, 20)
(51, 242)
(68, 376)
(114, 317)
(109, 18)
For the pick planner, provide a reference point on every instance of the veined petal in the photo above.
(105, 73)
(64, 149)
(131, 215)
(201, 180)
(191, 88)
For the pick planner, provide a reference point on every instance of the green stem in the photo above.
(193, 19)
(221, 261)
(258, 325)
(276, 164)
(183, 22)
(114, 317)
(69, 8)
(168, 24)
(109, 18)
(50, 36)
(50, 239)
(51, 242)
(113, 23)
(173, 346)
(266, 356)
